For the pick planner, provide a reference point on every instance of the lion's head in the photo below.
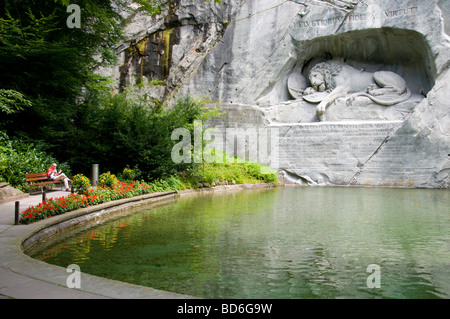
(322, 75)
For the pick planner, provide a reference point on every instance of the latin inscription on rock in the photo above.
(355, 17)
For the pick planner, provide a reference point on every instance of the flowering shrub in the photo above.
(107, 179)
(18, 157)
(129, 174)
(81, 183)
(93, 196)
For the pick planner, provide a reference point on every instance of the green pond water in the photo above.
(292, 242)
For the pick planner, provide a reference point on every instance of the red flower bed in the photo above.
(93, 196)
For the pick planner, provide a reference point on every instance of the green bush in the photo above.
(233, 170)
(129, 174)
(18, 158)
(118, 130)
(166, 184)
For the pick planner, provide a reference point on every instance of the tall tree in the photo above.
(48, 63)
(49, 50)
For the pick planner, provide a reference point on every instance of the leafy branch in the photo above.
(12, 101)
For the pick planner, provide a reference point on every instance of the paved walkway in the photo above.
(22, 277)
(7, 209)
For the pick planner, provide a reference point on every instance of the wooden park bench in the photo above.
(40, 180)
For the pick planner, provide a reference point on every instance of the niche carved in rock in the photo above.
(335, 79)
(376, 74)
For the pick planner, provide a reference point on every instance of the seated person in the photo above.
(53, 174)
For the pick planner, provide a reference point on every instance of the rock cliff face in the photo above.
(259, 58)
(161, 51)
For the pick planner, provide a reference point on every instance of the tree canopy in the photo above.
(48, 64)
(50, 93)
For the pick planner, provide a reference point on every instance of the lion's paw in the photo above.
(350, 100)
(321, 109)
(309, 91)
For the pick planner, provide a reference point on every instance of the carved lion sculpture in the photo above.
(334, 79)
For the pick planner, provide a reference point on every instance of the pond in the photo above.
(289, 242)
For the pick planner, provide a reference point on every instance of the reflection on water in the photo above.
(276, 243)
